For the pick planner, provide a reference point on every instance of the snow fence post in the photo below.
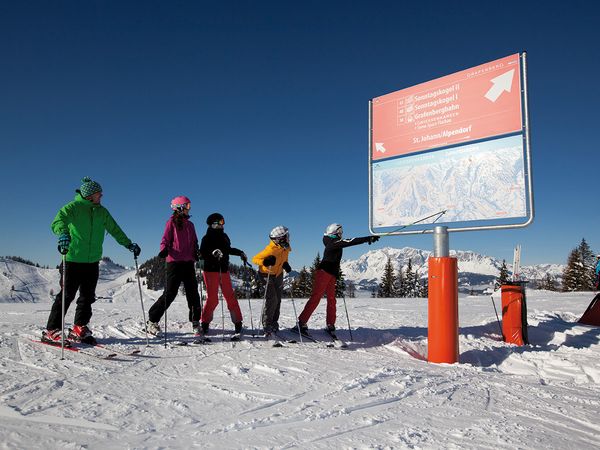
(442, 332)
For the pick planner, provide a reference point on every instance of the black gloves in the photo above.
(373, 239)
(64, 240)
(286, 267)
(244, 257)
(269, 261)
(163, 253)
(135, 249)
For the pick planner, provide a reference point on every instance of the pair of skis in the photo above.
(203, 340)
(102, 352)
(335, 341)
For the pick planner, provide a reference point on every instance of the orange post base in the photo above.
(443, 310)
(513, 307)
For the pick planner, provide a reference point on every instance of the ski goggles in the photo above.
(218, 224)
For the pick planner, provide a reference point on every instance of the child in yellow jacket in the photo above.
(271, 262)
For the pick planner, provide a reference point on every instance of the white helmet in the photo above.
(280, 235)
(335, 229)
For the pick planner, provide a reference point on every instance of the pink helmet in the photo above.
(180, 203)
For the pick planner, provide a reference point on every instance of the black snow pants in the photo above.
(178, 272)
(82, 277)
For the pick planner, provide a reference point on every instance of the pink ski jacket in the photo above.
(182, 244)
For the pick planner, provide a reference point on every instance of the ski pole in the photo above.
(200, 284)
(165, 322)
(64, 287)
(295, 313)
(137, 275)
(165, 299)
(262, 312)
(247, 283)
(347, 316)
(497, 318)
(220, 290)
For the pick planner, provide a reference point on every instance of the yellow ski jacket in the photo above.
(280, 253)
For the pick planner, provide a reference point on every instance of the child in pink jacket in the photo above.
(179, 246)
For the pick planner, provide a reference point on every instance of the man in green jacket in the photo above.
(81, 226)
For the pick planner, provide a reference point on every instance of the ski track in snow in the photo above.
(379, 393)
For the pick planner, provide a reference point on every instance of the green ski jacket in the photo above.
(87, 223)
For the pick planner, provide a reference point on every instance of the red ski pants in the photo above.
(211, 281)
(324, 284)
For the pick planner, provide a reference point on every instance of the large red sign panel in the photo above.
(476, 103)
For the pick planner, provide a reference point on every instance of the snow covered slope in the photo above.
(378, 393)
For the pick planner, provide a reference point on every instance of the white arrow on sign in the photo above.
(379, 147)
(501, 83)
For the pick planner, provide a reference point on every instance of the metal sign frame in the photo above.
(483, 224)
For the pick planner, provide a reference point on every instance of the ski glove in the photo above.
(217, 253)
(286, 266)
(269, 261)
(163, 253)
(244, 257)
(135, 249)
(64, 240)
(373, 239)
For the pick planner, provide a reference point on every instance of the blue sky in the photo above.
(259, 110)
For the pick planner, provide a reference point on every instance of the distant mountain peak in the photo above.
(367, 269)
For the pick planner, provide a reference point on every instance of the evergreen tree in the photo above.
(399, 286)
(579, 275)
(257, 285)
(154, 270)
(548, 283)
(425, 287)
(313, 270)
(572, 275)
(301, 286)
(588, 262)
(340, 285)
(502, 277)
(23, 260)
(411, 288)
(350, 289)
(388, 281)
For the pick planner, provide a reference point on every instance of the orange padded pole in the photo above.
(512, 320)
(443, 310)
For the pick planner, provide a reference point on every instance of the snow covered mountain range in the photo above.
(475, 271)
(21, 282)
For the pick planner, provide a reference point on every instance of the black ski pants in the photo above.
(273, 293)
(178, 272)
(82, 277)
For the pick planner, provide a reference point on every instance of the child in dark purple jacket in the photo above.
(180, 246)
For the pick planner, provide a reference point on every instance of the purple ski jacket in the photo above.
(182, 244)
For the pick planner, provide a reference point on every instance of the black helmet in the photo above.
(215, 218)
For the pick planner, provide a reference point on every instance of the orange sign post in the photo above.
(455, 147)
(442, 334)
